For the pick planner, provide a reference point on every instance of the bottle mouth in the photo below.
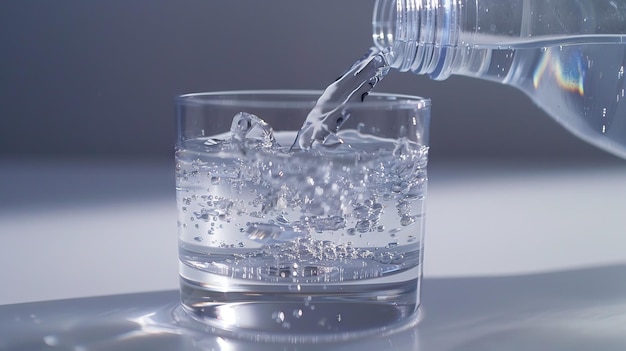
(384, 23)
(419, 34)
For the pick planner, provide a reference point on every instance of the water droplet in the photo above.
(297, 313)
(215, 180)
(381, 228)
(339, 318)
(351, 231)
(198, 239)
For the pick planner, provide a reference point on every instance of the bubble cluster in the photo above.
(248, 201)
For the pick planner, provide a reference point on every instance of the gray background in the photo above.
(92, 79)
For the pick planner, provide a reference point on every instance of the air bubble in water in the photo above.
(407, 220)
(360, 211)
(278, 316)
(309, 181)
(297, 313)
(282, 220)
(202, 214)
(272, 233)
(363, 226)
(404, 207)
(294, 287)
(212, 142)
(319, 191)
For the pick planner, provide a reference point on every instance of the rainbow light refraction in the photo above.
(567, 69)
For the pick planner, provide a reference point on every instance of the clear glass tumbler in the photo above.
(280, 243)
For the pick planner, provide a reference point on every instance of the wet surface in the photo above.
(583, 309)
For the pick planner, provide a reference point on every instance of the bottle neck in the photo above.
(444, 37)
(421, 35)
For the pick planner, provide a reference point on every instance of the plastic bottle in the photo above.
(567, 55)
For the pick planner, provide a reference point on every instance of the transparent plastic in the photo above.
(568, 56)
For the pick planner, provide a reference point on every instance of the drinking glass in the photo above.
(281, 242)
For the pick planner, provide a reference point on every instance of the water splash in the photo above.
(329, 114)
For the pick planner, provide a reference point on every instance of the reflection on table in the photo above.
(582, 309)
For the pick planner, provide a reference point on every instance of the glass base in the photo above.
(301, 313)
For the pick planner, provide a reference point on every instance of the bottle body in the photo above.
(568, 56)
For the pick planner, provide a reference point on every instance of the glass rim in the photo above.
(253, 98)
